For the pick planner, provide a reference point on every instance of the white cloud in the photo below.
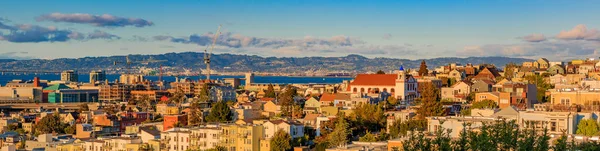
(556, 50)
(579, 32)
(534, 38)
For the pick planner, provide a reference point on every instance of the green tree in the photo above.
(509, 70)
(479, 105)
(423, 69)
(286, 100)
(50, 123)
(392, 101)
(219, 112)
(368, 137)
(145, 103)
(561, 144)
(451, 81)
(195, 114)
(442, 140)
(217, 148)
(417, 142)
(270, 93)
(368, 117)
(380, 72)
(587, 127)
(339, 135)
(400, 128)
(70, 129)
(178, 98)
(430, 102)
(281, 141)
(541, 84)
(460, 144)
(204, 94)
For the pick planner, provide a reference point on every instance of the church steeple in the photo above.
(401, 74)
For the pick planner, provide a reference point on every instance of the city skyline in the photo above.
(558, 30)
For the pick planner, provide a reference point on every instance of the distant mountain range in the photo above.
(241, 63)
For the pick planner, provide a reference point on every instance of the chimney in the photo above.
(36, 82)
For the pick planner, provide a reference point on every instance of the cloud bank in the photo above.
(579, 42)
(534, 38)
(105, 20)
(26, 33)
(335, 44)
(579, 32)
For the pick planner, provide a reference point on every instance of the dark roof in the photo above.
(150, 130)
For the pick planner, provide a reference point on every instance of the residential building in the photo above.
(295, 129)
(401, 86)
(167, 109)
(569, 96)
(556, 122)
(177, 139)
(481, 86)
(205, 137)
(222, 93)
(241, 137)
(131, 78)
(97, 76)
(170, 121)
(69, 76)
(457, 92)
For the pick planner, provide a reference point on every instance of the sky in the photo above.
(556, 29)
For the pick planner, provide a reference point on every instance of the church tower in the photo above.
(401, 74)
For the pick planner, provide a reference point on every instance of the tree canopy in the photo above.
(281, 141)
(339, 135)
(270, 93)
(430, 102)
(423, 71)
(219, 112)
(380, 72)
(51, 123)
(588, 127)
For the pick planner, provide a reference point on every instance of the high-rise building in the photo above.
(131, 78)
(249, 78)
(97, 76)
(69, 75)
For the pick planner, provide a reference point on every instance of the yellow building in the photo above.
(154, 145)
(70, 147)
(134, 147)
(395, 144)
(577, 62)
(167, 109)
(329, 110)
(241, 137)
(574, 97)
(265, 144)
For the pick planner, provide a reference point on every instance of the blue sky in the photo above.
(397, 29)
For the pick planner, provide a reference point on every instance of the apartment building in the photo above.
(205, 137)
(574, 96)
(177, 139)
(241, 137)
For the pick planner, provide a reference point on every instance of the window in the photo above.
(553, 126)
(565, 101)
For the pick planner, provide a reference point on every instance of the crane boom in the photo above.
(207, 54)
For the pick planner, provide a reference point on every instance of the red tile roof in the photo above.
(328, 97)
(267, 99)
(375, 79)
